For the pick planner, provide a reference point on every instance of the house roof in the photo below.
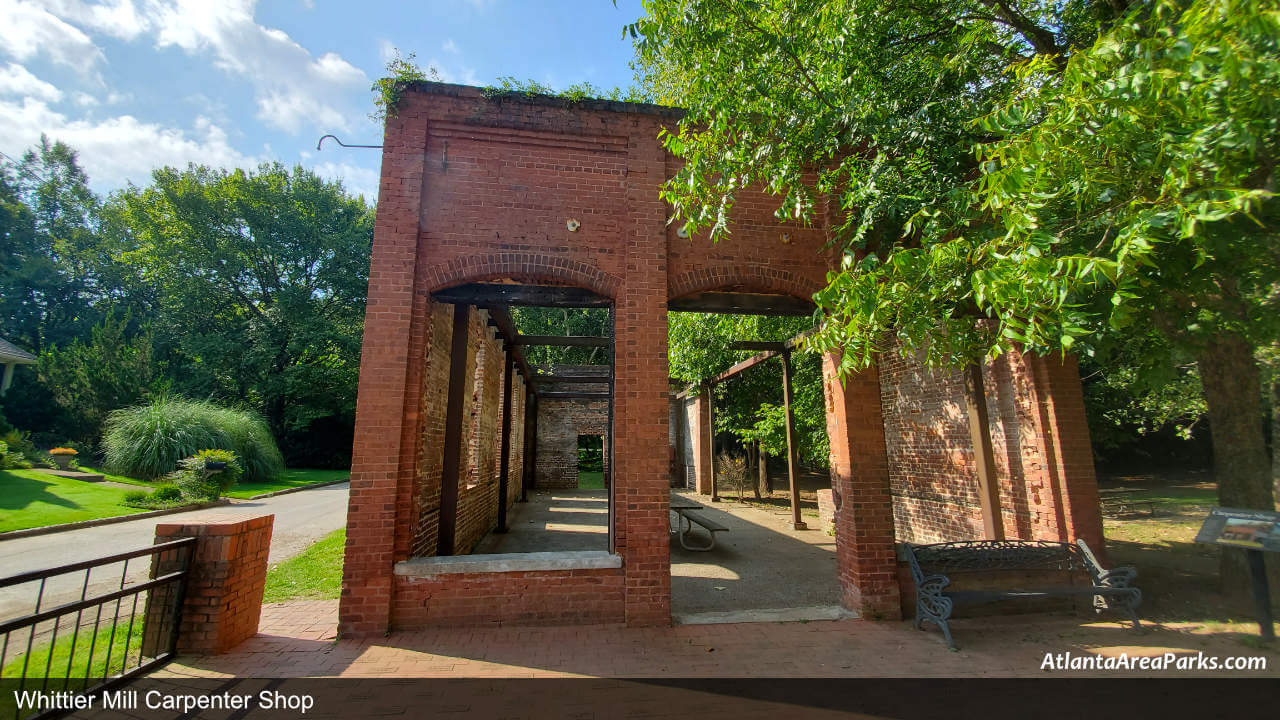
(12, 354)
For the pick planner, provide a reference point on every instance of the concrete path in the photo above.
(760, 567)
(300, 519)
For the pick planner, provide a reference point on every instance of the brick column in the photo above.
(382, 462)
(1067, 449)
(641, 493)
(865, 555)
(701, 455)
(224, 587)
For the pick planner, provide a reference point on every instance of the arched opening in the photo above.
(749, 457)
(526, 368)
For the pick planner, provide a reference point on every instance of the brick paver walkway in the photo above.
(297, 640)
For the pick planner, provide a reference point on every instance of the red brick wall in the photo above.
(563, 597)
(933, 474)
(478, 189)
(560, 422)
(228, 572)
(430, 462)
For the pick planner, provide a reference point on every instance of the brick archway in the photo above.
(530, 267)
(746, 278)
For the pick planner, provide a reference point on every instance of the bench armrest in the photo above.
(932, 584)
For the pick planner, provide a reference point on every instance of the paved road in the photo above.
(300, 519)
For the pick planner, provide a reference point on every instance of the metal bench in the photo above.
(688, 517)
(930, 565)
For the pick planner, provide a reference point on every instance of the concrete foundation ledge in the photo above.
(509, 562)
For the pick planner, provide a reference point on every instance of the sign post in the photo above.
(1256, 532)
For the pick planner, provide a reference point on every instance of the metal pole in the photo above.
(796, 522)
(1261, 594)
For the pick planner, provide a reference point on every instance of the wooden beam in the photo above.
(530, 439)
(742, 304)
(792, 460)
(564, 340)
(490, 294)
(756, 345)
(589, 380)
(501, 319)
(747, 364)
(504, 463)
(975, 397)
(450, 477)
(574, 395)
(531, 460)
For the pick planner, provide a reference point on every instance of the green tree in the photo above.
(750, 404)
(88, 379)
(259, 286)
(49, 280)
(1038, 175)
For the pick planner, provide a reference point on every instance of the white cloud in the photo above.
(17, 80)
(449, 46)
(450, 73)
(117, 18)
(27, 31)
(356, 179)
(84, 99)
(119, 149)
(293, 90)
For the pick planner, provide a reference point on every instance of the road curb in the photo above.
(300, 488)
(50, 529)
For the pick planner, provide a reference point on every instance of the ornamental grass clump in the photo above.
(149, 441)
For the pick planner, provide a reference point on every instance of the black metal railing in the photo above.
(91, 628)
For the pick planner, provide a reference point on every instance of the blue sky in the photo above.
(137, 84)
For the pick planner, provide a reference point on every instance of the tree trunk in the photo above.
(763, 486)
(1232, 394)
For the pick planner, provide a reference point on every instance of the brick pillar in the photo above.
(641, 493)
(224, 587)
(701, 456)
(1067, 449)
(865, 555)
(382, 462)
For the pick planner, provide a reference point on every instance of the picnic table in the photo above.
(1122, 501)
(686, 517)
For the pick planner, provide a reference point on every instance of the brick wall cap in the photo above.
(453, 90)
(216, 525)
(509, 562)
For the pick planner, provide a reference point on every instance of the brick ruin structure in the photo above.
(487, 202)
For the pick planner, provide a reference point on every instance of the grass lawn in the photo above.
(1179, 578)
(590, 480)
(314, 574)
(122, 654)
(117, 478)
(285, 480)
(31, 499)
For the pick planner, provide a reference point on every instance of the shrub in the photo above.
(17, 453)
(198, 482)
(64, 451)
(164, 496)
(148, 441)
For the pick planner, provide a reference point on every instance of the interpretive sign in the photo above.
(1256, 531)
(1249, 529)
